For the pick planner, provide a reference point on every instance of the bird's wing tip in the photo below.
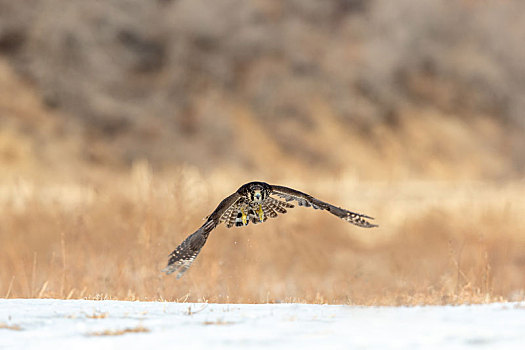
(167, 270)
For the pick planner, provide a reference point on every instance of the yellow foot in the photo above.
(244, 218)
(261, 213)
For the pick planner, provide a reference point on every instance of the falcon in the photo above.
(253, 202)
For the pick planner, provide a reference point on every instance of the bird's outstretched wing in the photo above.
(272, 207)
(183, 256)
(303, 199)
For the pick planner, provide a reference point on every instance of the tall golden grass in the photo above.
(437, 242)
(72, 226)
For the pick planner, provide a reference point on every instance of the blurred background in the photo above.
(123, 123)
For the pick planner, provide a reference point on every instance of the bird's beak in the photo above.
(257, 196)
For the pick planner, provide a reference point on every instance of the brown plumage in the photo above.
(251, 202)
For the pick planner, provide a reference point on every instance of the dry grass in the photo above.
(97, 315)
(109, 332)
(437, 242)
(218, 322)
(12, 327)
(73, 227)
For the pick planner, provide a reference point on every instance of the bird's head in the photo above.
(257, 193)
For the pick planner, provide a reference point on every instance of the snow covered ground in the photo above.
(84, 324)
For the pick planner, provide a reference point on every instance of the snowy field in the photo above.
(85, 324)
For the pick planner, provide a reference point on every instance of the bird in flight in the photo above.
(255, 202)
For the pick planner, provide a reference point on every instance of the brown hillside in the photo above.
(124, 123)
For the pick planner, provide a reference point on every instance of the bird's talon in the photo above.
(261, 213)
(244, 218)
